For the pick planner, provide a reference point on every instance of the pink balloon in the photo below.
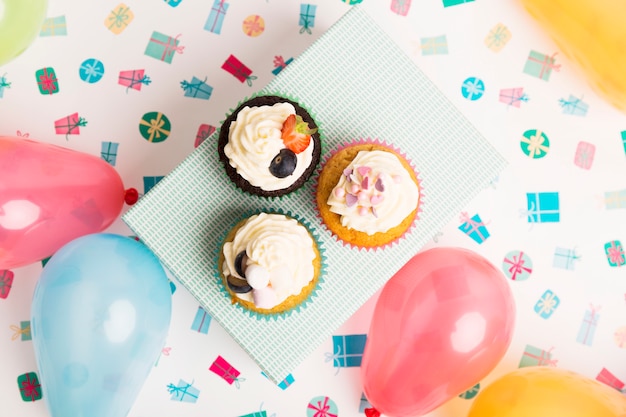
(50, 195)
(440, 325)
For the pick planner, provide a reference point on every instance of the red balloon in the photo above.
(440, 325)
(51, 195)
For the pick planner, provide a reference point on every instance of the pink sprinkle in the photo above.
(397, 179)
(365, 184)
(340, 192)
(347, 172)
(350, 200)
(379, 185)
(363, 198)
(354, 188)
(376, 199)
(363, 170)
(363, 211)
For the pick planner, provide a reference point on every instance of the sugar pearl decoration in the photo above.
(264, 297)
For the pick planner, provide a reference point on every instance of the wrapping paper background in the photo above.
(472, 51)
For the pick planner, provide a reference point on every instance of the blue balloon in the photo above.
(100, 316)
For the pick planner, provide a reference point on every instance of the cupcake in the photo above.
(270, 263)
(269, 146)
(368, 194)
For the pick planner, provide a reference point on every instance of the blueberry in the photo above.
(283, 164)
(238, 263)
(234, 285)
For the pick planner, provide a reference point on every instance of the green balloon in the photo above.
(20, 23)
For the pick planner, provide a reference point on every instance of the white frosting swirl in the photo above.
(375, 193)
(278, 244)
(254, 139)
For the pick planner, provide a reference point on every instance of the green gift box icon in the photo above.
(29, 386)
(540, 65)
(47, 81)
(162, 47)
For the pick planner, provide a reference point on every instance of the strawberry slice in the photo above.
(296, 134)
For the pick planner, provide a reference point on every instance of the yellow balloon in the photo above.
(547, 392)
(20, 23)
(593, 34)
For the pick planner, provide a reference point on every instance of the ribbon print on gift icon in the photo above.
(155, 127)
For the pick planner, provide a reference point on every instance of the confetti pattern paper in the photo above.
(554, 216)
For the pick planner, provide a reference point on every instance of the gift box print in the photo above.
(261, 413)
(54, 26)
(163, 47)
(574, 106)
(22, 331)
(615, 199)
(498, 37)
(540, 65)
(119, 18)
(133, 79)
(197, 88)
(155, 127)
(253, 25)
(619, 337)
(280, 64)
(470, 393)
(201, 321)
(588, 326)
(237, 68)
(173, 3)
(513, 96)
(623, 133)
(543, 207)
(584, 155)
(473, 88)
(285, 383)
(204, 131)
(6, 281)
(364, 403)
(400, 7)
(216, 17)
(448, 3)
(221, 367)
(307, 17)
(606, 377)
(29, 386)
(615, 253)
(91, 70)
(322, 407)
(434, 45)
(347, 350)
(69, 125)
(47, 81)
(517, 265)
(4, 83)
(547, 304)
(565, 258)
(474, 227)
(535, 143)
(183, 391)
(108, 152)
(150, 181)
(534, 356)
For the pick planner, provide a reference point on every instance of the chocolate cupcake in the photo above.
(269, 146)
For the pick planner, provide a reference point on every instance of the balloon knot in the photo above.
(371, 412)
(131, 196)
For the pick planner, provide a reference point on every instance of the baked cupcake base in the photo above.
(291, 303)
(241, 182)
(330, 175)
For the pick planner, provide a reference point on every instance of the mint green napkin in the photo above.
(358, 83)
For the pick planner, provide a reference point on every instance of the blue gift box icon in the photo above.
(347, 350)
(547, 304)
(201, 321)
(543, 207)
